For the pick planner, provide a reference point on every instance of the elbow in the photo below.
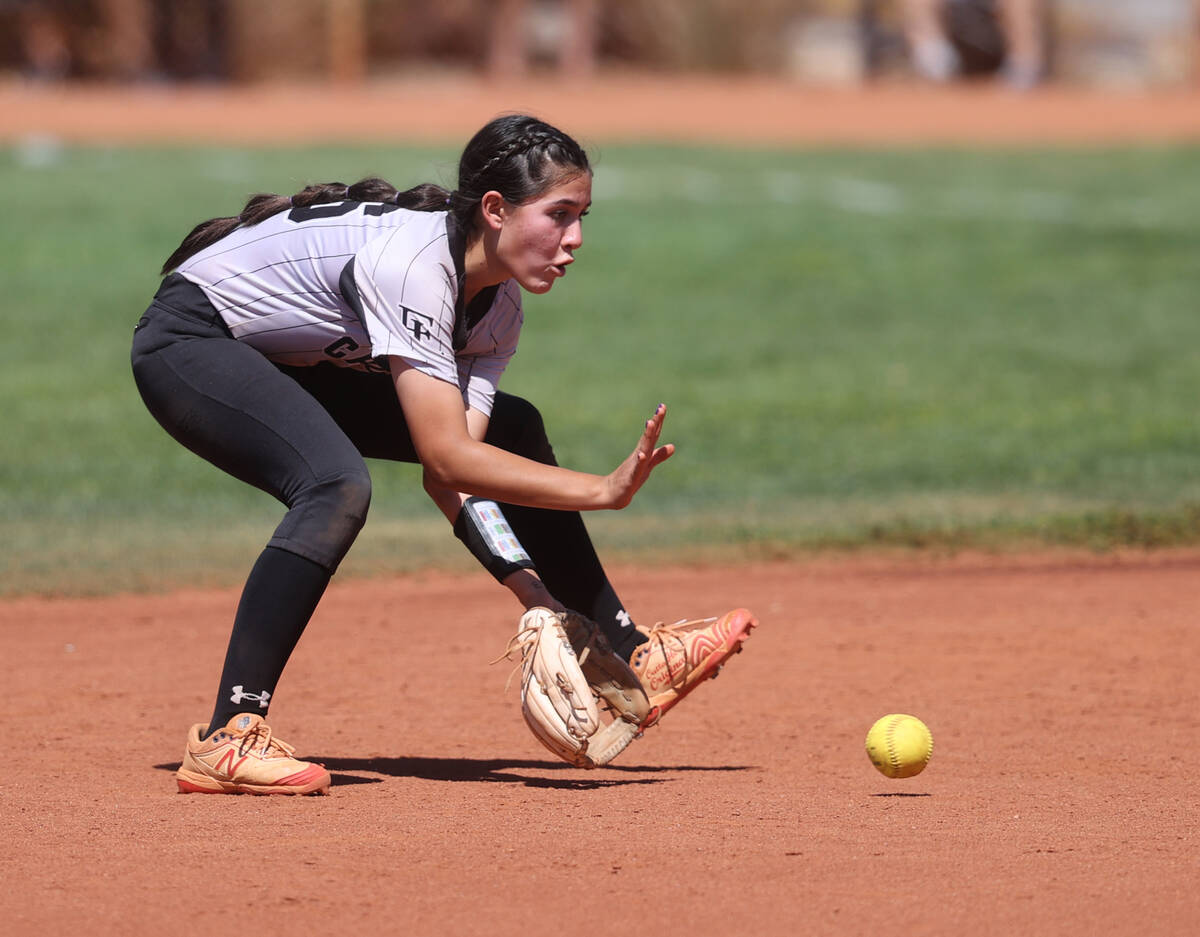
(437, 476)
(432, 487)
(441, 469)
(447, 460)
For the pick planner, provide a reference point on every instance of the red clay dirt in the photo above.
(1061, 797)
(735, 111)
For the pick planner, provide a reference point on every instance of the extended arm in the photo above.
(525, 584)
(454, 459)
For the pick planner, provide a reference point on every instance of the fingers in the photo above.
(654, 424)
(634, 471)
(649, 453)
(652, 430)
(661, 454)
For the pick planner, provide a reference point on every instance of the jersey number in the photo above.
(337, 209)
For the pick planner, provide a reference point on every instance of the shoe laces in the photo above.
(675, 630)
(676, 633)
(260, 738)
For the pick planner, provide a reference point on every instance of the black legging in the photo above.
(301, 433)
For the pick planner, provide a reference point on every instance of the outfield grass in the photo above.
(946, 348)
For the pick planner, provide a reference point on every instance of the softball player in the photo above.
(292, 341)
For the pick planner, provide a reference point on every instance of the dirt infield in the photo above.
(738, 111)
(1061, 798)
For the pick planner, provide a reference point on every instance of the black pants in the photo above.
(302, 434)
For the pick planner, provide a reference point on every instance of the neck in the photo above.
(481, 271)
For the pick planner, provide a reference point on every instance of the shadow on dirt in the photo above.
(509, 771)
(495, 770)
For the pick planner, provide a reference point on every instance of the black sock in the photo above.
(279, 598)
(608, 612)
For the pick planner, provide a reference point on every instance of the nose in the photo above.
(573, 238)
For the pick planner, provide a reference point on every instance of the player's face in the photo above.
(539, 238)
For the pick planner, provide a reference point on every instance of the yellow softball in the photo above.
(899, 745)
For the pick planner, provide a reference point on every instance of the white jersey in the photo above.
(355, 282)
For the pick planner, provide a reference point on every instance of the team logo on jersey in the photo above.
(416, 322)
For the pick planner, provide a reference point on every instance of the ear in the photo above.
(492, 210)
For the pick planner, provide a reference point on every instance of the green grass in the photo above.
(917, 348)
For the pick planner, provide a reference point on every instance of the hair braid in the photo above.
(262, 206)
(523, 145)
(516, 155)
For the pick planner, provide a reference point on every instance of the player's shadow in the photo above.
(494, 770)
(511, 771)
(900, 794)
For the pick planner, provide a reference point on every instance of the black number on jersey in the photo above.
(337, 209)
(343, 349)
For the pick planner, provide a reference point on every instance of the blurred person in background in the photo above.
(100, 39)
(43, 41)
(951, 38)
(567, 28)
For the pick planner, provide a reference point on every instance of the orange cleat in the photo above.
(679, 657)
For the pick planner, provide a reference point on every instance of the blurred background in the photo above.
(1023, 43)
(911, 274)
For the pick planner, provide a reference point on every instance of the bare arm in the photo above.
(455, 460)
(524, 584)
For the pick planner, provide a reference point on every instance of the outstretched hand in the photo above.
(631, 474)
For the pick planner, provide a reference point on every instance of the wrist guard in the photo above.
(481, 525)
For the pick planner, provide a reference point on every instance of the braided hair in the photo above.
(516, 155)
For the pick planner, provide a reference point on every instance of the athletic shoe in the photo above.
(245, 758)
(679, 657)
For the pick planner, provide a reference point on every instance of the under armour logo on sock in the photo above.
(624, 619)
(240, 694)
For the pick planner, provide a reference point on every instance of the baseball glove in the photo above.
(567, 669)
(556, 701)
(615, 685)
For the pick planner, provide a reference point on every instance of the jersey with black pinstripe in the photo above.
(352, 283)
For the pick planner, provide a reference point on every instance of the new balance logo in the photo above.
(227, 764)
(240, 694)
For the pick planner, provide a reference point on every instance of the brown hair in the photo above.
(516, 155)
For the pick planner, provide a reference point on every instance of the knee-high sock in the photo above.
(279, 598)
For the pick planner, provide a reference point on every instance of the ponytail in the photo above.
(516, 155)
